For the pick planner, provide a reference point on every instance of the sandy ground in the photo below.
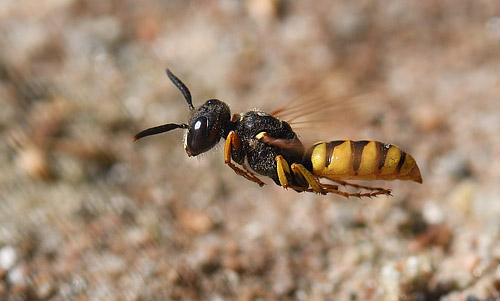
(85, 214)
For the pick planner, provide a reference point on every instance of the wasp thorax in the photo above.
(207, 125)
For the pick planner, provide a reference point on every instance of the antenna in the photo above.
(181, 86)
(160, 129)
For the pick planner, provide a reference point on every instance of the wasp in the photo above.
(271, 148)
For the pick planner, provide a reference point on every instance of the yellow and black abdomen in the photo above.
(361, 160)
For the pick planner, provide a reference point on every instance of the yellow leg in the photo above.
(299, 169)
(319, 187)
(284, 176)
(283, 171)
(234, 142)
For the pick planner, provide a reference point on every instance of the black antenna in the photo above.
(160, 129)
(180, 85)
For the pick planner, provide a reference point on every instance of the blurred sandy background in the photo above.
(86, 214)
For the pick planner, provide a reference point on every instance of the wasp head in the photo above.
(206, 126)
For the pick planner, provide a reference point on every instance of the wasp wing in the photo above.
(334, 107)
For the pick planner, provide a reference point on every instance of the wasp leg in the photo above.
(344, 183)
(283, 171)
(233, 142)
(374, 191)
(356, 194)
(284, 175)
(322, 188)
(248, 169)
(300, 170)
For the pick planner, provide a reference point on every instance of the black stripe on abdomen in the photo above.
(357, 149)
(330, 146)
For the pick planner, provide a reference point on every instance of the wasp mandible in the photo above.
(271, 148)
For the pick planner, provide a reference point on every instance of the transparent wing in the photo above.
(333, 108)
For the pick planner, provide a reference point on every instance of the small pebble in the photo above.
(196, 221)
(8, 257)
(17, 276)
(33, 161)
(44, 286)
(428, 119)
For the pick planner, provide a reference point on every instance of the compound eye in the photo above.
(197, 138)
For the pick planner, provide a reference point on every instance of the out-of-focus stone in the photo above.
(196, 221)
(33, 161)
(44, 285)
(8, 257)
(427, 119)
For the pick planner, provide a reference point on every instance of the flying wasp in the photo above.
(271, 148)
